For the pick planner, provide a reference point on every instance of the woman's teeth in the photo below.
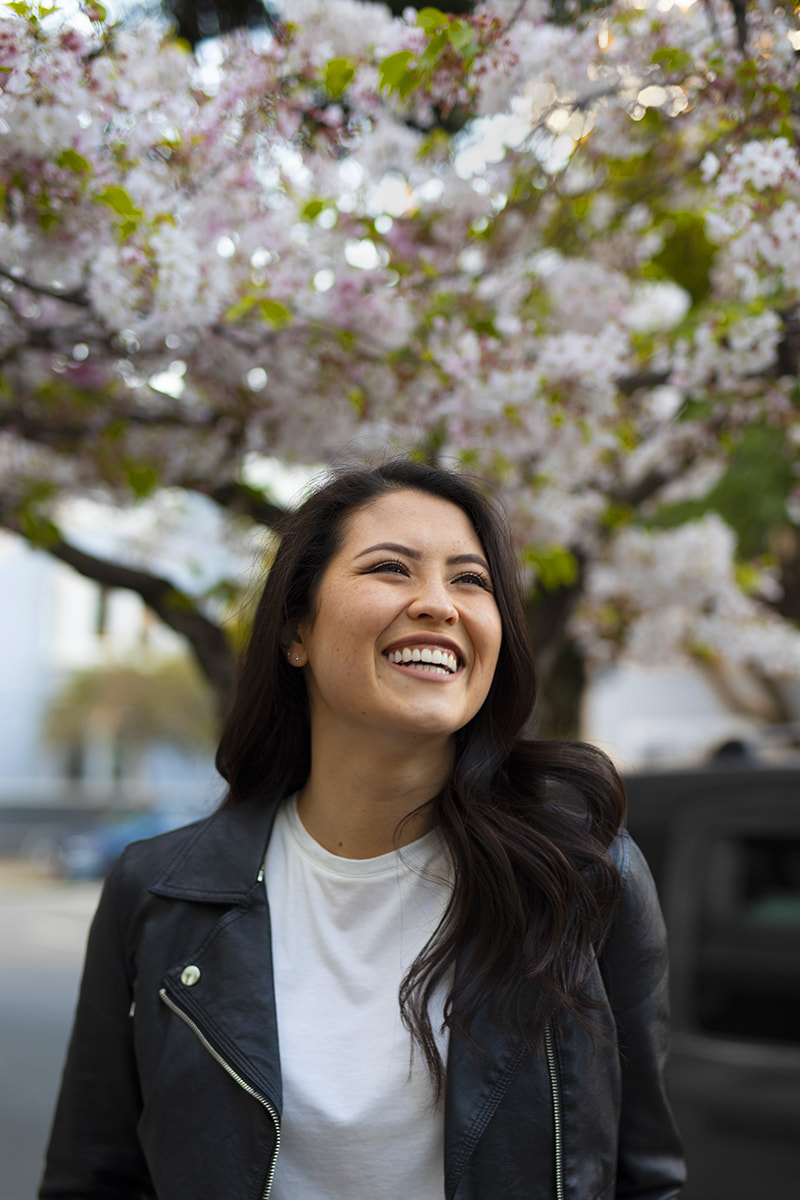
(426, 657)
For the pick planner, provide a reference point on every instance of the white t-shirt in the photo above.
(359, 1121)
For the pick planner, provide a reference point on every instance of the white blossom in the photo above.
(581, 294)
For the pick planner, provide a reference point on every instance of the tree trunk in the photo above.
(560, 666)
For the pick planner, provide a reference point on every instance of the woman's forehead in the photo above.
(416, 519)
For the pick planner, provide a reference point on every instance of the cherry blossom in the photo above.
(564, 255)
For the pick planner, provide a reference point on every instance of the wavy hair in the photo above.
(533, 887)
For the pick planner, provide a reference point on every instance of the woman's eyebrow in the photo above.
(468, 558)
(396, 548)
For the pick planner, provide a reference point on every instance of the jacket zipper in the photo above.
(555, 1090)
(238, 1079)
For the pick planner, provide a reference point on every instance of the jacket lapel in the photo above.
(220, 863)
(223, 985)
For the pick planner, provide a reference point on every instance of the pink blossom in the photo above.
(532, 313)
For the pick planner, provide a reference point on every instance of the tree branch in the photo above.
(515, 16)
(241, 499)
(747, 693)
(47, 432)
(77, 296)
(176, 608)
(628, 384)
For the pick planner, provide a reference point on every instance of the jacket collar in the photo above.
(222, 858)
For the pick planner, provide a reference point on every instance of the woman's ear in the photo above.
(292, 645)
(296, 655)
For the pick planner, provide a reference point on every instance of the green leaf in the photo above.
(686, 255)
(628, 435)
(461, 36)
(275, 313)
(407, 84)
(748, 577)
(272, 311)
(556, 566)
(311, 209)
(431, 19)
(240, 308)
(705, 652)
(118, 200)
(70, 160)
(434, 50)
(338, 74)
(750, 497)
(616, 515)
(40, 531)
(393, 68)
(39, 491)
(142, 480)
(672, 60)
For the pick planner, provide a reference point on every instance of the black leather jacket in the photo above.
(172, 1087)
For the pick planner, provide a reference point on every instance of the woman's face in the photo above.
(406, 631)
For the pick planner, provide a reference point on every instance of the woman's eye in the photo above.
(395, 568)
(474, 577)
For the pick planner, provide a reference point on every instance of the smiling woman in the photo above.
(398, 655)
(397, 962)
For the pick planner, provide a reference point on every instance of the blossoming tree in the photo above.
(565, 255)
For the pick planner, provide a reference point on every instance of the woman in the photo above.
(397, 962)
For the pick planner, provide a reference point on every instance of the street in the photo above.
(43, 926)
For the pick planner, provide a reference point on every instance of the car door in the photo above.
(728, 868)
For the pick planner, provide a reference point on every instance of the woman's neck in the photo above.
(354, 800)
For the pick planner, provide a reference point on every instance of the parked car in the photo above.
(724, 847)
(90, 853)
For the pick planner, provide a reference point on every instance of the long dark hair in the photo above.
(533, 887)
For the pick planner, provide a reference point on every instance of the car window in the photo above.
(747, 977)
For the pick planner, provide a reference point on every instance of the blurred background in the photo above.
(553, 243)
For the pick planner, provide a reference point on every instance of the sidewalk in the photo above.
(18, 873)
(22, 878)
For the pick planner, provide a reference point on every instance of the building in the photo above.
(54, 622)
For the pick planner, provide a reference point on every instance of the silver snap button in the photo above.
(190, 976)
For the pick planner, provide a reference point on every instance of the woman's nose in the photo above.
(434, 602)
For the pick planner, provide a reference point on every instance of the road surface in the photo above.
(43, 926)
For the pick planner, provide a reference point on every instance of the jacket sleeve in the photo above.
(634, 966)
(94, 1150)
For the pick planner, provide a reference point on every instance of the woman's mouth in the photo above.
(429, 659)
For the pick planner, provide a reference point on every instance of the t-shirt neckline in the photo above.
(417, 854)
